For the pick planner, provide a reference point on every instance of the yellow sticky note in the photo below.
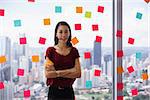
(88, 14)
(120, 70)
(78, 9)
(74, 41)
(144, 76)
(2, 59)
(47, 21)
(35, 58)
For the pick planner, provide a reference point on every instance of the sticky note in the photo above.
(97, 72)
(95, 27)
(77, 26)
(131, 40)
(35, 58)
(20, 72)
(2, 12)
(47, 21)
(31, 0)
(119, 33)
(145, 76)
(27, 93)
(119, 86)
(119, 53)
(147, 1)
(58, 9)
(134, 92)
(17, 23)
(100, 9)
(1, 85)
(88, 14)
(23, 40)
(138, 55)
(88, 84)
(79, 9)
(130, 69)
(139, 15)
(98, 38)
(120, 70)
(87, 55)
(2, 59)
(42, 40)
(74, 41)
(120, 98)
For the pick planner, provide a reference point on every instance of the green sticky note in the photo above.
(88, 14)
(138, 55)
(88, 84)
(58, 9)
(17, 23)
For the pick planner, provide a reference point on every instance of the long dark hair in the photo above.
(56, 28)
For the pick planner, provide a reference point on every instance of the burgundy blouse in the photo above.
(61, 62)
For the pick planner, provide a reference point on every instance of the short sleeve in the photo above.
(76, 53)
(49, 53)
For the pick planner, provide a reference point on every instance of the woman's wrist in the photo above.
(57, 74)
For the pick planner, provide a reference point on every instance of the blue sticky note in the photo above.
(138, 55)
(17, 23)
(58, 9)
(139, 15)
(88, 84)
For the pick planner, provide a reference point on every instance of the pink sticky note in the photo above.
(119, 86)
(87, 55)
(31, 0)
(20, 72)
(95, 27)
(1, 85)
(1, 12)
(130, 69)
(23, 40)
(77, 26)
(42, 40)
(134, 92)
(119, 33)
(119, 53)
(119, 97)
(97, 72)
(27, 93)
(100, 9)
(131, 40)
(98, 38)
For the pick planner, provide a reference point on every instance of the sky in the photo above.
(32, 14)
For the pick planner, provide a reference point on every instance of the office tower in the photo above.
(5, 50)
(108, 65)
(97, 53)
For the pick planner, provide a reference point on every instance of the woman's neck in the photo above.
(62, 45)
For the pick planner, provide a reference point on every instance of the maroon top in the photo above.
(61, 62)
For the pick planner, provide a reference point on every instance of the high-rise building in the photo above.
(5, 50)
(97, 53)
(107, 66)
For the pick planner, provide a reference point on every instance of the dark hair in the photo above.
(56, 28)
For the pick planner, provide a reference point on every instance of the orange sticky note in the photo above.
(35, 58)
(145, 76)
(2, 59)
(78, 9)
(74, 41)
(47, 21)
(120, 70)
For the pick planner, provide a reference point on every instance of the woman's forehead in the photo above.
(64, 27)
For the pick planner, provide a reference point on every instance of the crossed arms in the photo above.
(50, 71)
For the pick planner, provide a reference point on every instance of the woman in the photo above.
(62, 65)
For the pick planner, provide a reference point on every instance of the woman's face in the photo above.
(63, 33)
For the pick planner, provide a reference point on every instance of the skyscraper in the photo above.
(107, 59)
(97, 53)
(5, 50)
